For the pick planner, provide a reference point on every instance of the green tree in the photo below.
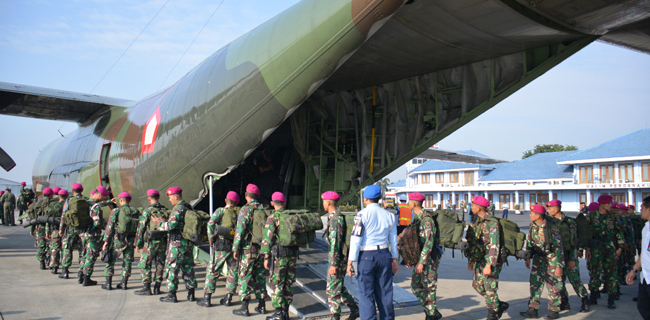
(541, 148)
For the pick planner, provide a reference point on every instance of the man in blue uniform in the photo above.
(374, 232)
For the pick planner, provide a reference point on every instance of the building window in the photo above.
(504, 201)
(426, 178)
(645, 171)
(619, 197)
(469, 178)
(453, 177)
(626, 172)
(586, 174)
(440, 177)
(583, 198)
(606, 172)
(415, 161)
(428, 201)
(415, 179)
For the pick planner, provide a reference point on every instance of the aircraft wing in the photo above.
(43, 103)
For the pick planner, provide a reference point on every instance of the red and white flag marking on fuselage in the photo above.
(150, 131)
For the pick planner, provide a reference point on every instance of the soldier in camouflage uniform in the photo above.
(602, 261)
(153, 250)
(123, 243)
(179, 250)
(222, 252)
(8, 206)
(424, 281)
(283, 274)
(70, 236)
(38, 230)
(251, 267)
(545, 244)
(337, 294)
(91, 237)
(52, 231)
(487, 269)
(623, 263)
(2, 214)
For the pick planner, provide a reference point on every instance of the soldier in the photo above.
(153, 250)
(424, 281)
(120, 230)
(71, 235)
(545, 244)
(251, 267)
(22, 202)
(179, 250)
(623, 264)
(52, 231)
(487, 270)
(225, 217)
(337, 294)
(602, 261)
(491, 208)
(9, 204)
(38, 230)
(92, 236)
(2, 214)
(572, 264)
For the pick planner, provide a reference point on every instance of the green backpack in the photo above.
(449, 228)
(78, 213)
(348, 225)
(127, 220)
(196, 225)
(638, 225)
(512, 240)
(229, 220)
(584, 230)
(160, 212)
(32, 211)
(297, 227)
(259, 222)
(568, 237)
(54, 209)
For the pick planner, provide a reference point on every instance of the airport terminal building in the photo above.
(620, 167)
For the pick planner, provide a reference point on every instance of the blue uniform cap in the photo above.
(372, 192)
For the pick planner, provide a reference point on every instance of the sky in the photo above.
(600, 93)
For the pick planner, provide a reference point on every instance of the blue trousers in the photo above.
(375, 276)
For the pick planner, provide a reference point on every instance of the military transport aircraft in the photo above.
(328, 95)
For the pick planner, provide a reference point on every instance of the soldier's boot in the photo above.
(592, 298)
(190, 295)
(206, 301)
(635, 299)
(261, 306)
(109, 283)
(552, 315)
(64, 274)
(564, 305)
(503, 306)
(170, 297)
(55, 270)
(437, 315)
(87, 282)
(610, 302)
(492, 314)
(80, 276)
(243, 311)
(585, 305)
(145, 291)
(156, 288)
(122, 285)
(335, 316)
(227, 300)
(531, 313)
(617, 296)
(285, 312)
(42, 264)
(277, 315)
(354, 311)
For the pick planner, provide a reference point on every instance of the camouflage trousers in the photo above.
(543, 273)
(574, 279)
(9, 215)
(42, 251)
(72, 237)
(281, 281)
(337, 294)
(424, 285)
(152, 257)
(92, 242)
(55, 249)
(180, 260)
(251, 274)
(487, 286)
(122, 245)
(220, 259)
(603, 262)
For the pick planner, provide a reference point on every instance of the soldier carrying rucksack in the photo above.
(120, 229)
(54, 212)
(73, 227)
(38, 230)
(153, 249)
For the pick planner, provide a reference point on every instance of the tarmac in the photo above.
(26, 292)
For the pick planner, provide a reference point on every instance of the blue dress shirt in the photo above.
(374, 226)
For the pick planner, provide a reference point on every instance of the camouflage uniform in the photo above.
(42, 252)
(122, 244)
(91, 237)
(9, 204)
(487, 236)
(52, 230)
(179, 250)
(573, 275)
(153, 250)
(71, 236)
(623, 264)
(220, 258)
(424, 284)
(283, 274)
(337, 294)
(544, 243)
(603, 260)
(251, 267)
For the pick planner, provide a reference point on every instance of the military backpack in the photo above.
(408, 242)
(127, 220)
(297, 227)
(158, 211)
(196, 225)
(449, 230)
(259, 222)
(638, 223)
(78, 213)
(568, 237)
(54, 209)
(512, 240)
(31, 211)
(585, 231)
(348, 225)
